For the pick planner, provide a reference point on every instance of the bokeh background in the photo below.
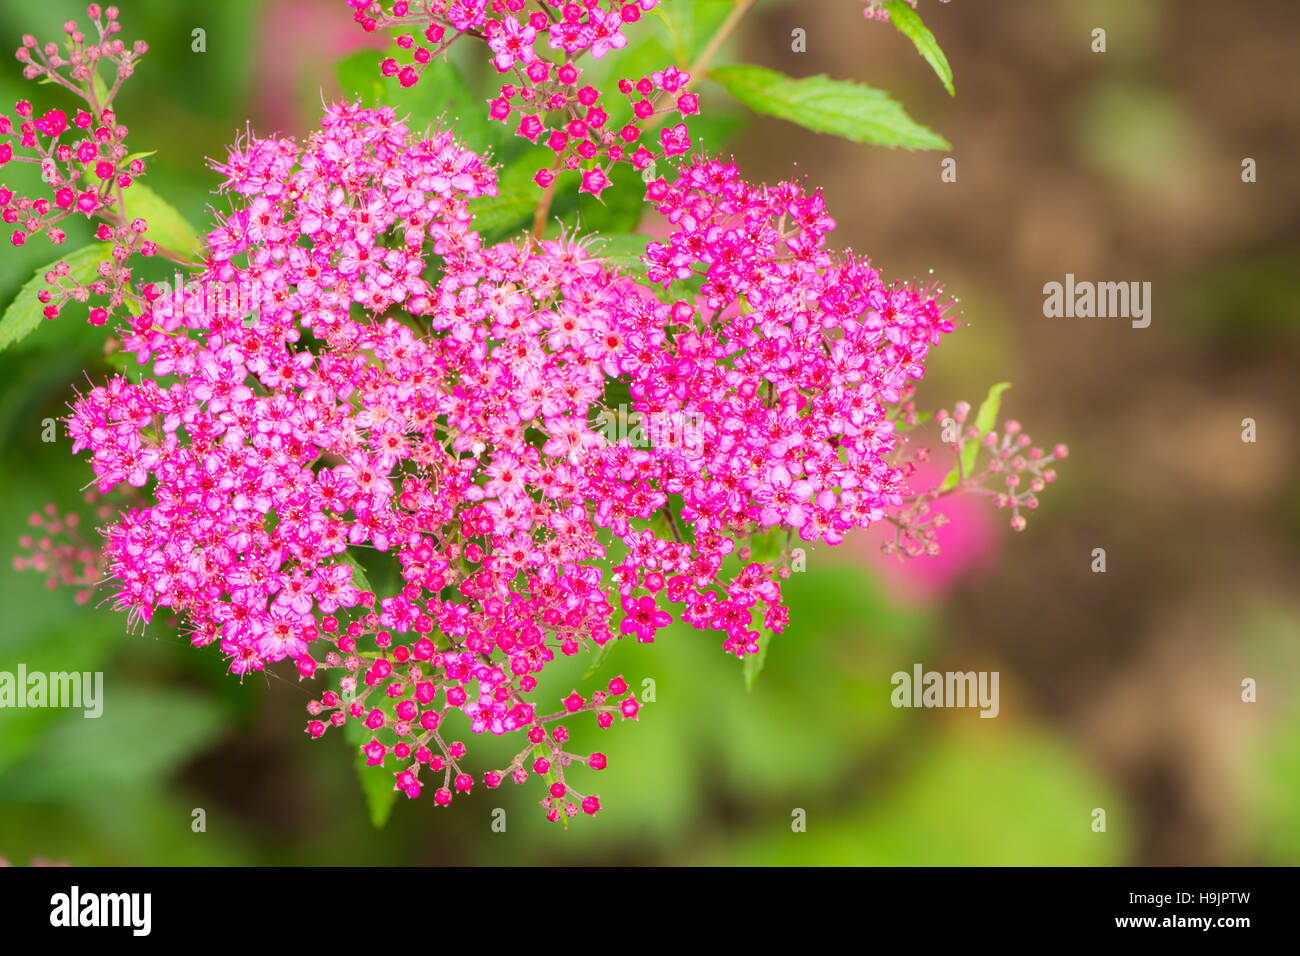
(1119, 691)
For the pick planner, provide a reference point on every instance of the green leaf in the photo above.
(985, 419)
(598, 658)
(544, 749)
(510, 206)
(24, 313)
(909, 24)
(143, 736)
(623, 251)
(441, 93)
(167, 227)
(377, 783)
(767, 545)
(359, 77)
(141, 155)
(359, 579)
(124, 364)
(101, 89)
(691, 24)
(839, 107)
(754, 662)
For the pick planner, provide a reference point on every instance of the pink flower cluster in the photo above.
(1010, 456)
(555, 107)
(449, 429)
(369, 444)
(58, 550)
(83, 160)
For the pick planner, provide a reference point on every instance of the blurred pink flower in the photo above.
(968, 543)
(290, 75)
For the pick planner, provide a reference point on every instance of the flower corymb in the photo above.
(368, 439)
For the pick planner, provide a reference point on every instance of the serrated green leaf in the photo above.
(839, 107)
(985, 419)
(167, 227)
(908, 22)
(24, 313)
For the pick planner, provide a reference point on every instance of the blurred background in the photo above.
(1120, 691)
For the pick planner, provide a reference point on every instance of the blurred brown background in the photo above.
(1123, 165)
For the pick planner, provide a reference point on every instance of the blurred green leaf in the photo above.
(908, 22)
(141, 155)
(767, 545)
(619, 208)
(377, 783)
(167, 227)
(24, 313)
(985, 419)
(839, 107)
(359, 77)
(691, 23)
(442, 94)
(975, 797)
(763, 546)
(101, 89)
(754, 662)
(143, 735)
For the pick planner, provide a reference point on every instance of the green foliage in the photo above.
(964, 799)
(377, 783)
(753, 663)
(360, 579)
(840, 107)
(24, 314)
(691, 24)
(623, 251)
(142, 737)
(443, 93)
(908, 22)
(985, 419)
(167, 227)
